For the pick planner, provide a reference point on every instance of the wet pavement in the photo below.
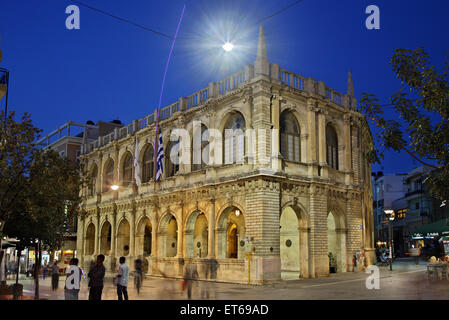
(407, 281)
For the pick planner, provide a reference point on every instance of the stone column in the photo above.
(319, 261)
(114, 233)
(180, 234)
(80, 235)
(99, 185)
(132, 231)
(311, 146)
(347, 150)
(276, 162)
(154, 234)
(211, 235)
(322, 143)
(97, 233)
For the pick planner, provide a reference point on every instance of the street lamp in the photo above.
(390, 214)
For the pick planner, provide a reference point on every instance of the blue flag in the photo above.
(160, 156)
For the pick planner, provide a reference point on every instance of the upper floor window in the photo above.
(331, 147)
(173, 158)
(234, 135)
(108, 179)
(200, 154)
(147, 164)
(290, 137)
(127, 169)
(93, 181)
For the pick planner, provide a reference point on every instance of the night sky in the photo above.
(111, 70)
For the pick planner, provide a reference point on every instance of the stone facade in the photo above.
(258, 221)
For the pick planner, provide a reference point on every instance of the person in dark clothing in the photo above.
(96, 275)
(54, 276)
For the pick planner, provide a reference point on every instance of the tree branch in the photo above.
(419, 160)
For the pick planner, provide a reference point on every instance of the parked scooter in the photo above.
(384, 258)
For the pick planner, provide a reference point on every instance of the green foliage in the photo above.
(332, 260)
(45, 187)
(424, 92)
(16, 152)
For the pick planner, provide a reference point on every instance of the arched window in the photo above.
(173, 152)
(290, 137)
(127, 169)
(200, 147)
(147, 164)
(234, 135)
(108, 178)
(93, 181)
(331, 147)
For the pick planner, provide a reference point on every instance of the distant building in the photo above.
(417, 208)
(68, 140)
(386, 189)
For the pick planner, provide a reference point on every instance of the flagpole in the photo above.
(163, 80)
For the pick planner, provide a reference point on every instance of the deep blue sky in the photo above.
(108, 69)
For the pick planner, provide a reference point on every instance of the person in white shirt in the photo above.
(73, 280)
(122, 279)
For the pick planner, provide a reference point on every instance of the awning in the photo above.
(436, 229)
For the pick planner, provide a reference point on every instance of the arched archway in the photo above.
(123, 238)
(230, 232)
(93, 181)
(332, 147)
(147, 163)
(196, 238)
(294, 247)
(127, 169)
(168, 235)
(200, 148)
(336, 239)
(108, 175)
(90, 239)
(234, 139)
(144, 237)
(290, 137)
(105, 238)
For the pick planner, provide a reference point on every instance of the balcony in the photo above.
(415, 192)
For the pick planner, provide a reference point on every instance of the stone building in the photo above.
(256, 210)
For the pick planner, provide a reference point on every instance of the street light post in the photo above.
(390, 214)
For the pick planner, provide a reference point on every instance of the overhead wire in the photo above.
(125, 20)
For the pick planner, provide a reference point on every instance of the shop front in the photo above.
(433, 239)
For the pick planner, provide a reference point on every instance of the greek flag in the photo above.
(136, 164)
(160, 156)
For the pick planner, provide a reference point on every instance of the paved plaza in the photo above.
(407, 281)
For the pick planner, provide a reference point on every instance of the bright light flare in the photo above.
(228, 46)
(114, 187)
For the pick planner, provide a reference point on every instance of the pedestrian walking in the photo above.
(96, 276)
(138, 274)
(190, 274)
(44, 270)
(73, 280)
(54, 276)
(122, 279)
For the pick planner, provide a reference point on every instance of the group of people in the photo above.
(96, 279)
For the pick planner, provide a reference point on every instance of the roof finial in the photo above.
(261, 65)
(350, 90)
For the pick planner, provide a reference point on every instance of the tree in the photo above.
(424, 97)
(50, 201)
(16, 153)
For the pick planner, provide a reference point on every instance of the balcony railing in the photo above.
(216, 89)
